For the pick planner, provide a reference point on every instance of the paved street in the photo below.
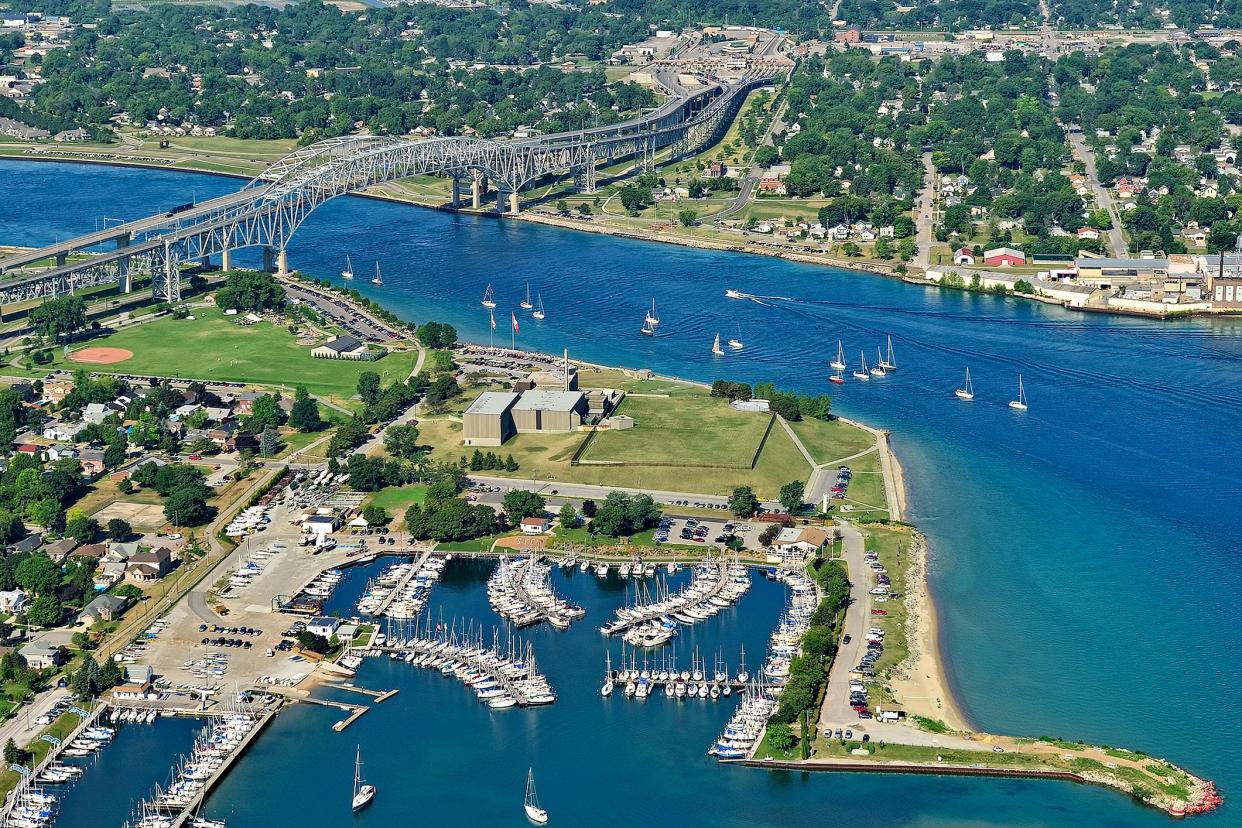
(923, 223)
(1082, 152)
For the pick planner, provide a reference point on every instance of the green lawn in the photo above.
(686, 431)
(476, 545)
(212, 347)
(397, 499)
(643, 540)
(830, 441)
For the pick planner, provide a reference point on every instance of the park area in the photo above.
(212, 346)
(687, 431)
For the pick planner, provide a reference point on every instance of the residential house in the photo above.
(92, 461)
(59, 550)
(323, 626)
(535, 525)
(1088, 234)
(807, 539)
(13, 601)
(63, 432)
(103, 608)
(27, 544)
(146, 567)
(41, 655)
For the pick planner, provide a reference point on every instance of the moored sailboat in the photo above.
(363, 793)
(838, 376)
(489, 300)
(861, 373)
(525, 304)
(967, 392)
(839, 362)
(377, 279)
(348, 272)
(1020, 403)
(534, 813)
(877, 370)
(736, 342)
(889, 362)
(651, 321)
(716, 349)
(539, 312)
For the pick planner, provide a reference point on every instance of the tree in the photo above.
(187, 507)
(265, 412)
(780, 736)
(743, 502)
(59, 317)
(588, 508)
(313, 642)
(82, 528)
(634, 199)
(436, 335)
(269, 444)
(584, 209)
(82, 640)
(791, 496)
(376, 515)
(45, 611)
(13, 755)
(519, 503)
(568, 516)
(251, 290)
(623, 514)
(38, 574)
(769, 534)
(304, 416)
(110, 674)
(45, 512)
(562, 206)
(688, 217)
(369, 387)
(402, 441)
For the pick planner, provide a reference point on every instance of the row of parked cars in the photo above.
(844, 475)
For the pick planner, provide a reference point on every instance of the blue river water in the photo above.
(1084, 553)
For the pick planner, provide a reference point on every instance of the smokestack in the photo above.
(566, 367)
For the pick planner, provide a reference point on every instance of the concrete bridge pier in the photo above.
(515, 204)
(269, 256)
(226, 259)
(61, 258)
(126, 280)
(282, 262)
(478, 188)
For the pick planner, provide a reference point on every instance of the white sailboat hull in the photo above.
(536, 815)
(1019, 406)
(364, 796)
(963, 394)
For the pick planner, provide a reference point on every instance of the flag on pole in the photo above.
(493, 320)
(513, 316)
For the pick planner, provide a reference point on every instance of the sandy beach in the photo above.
(920, 682)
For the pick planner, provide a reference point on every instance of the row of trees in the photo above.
(809, 671)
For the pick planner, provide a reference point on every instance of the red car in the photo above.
(196, 457)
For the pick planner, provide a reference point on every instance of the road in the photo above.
(751, 180)
(22, 728)
(1078, 143)
(923, 224)
(836, 713)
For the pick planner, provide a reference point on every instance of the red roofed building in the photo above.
(1003, 257)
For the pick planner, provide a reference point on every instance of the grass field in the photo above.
(398, 498)
(212, 347)
(546, 457)
(830, 441)
(688, 431)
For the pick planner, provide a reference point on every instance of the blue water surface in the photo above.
(1084, 553)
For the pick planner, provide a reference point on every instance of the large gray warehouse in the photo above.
(489, 421)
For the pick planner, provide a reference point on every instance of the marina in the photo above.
(652, 620)
(519, 592)
(1111, 362)
(402, 589)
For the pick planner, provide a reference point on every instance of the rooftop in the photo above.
(544, 399)
(492, 403)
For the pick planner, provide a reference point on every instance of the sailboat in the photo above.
(539, 314)
(488, 301)
(534, 813)
(716, 349)
(650, 321)
(839, 362)
(348, 272)
(1020, 402)
(363, 793)
(889, 363)
(967, 392)
(525, 303)
(878, 369)
(736, 342)
(606, 690)
(838, 376)
(861, 373)
(377, 280)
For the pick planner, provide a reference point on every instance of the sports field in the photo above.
(686, 431)
(213, 347)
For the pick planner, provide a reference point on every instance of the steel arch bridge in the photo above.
(269, 209)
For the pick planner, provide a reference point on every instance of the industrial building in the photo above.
(489, 420)
(544, 410)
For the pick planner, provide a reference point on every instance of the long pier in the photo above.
(403, 583)
(183, 815)
(52, 755)
(654, 612)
